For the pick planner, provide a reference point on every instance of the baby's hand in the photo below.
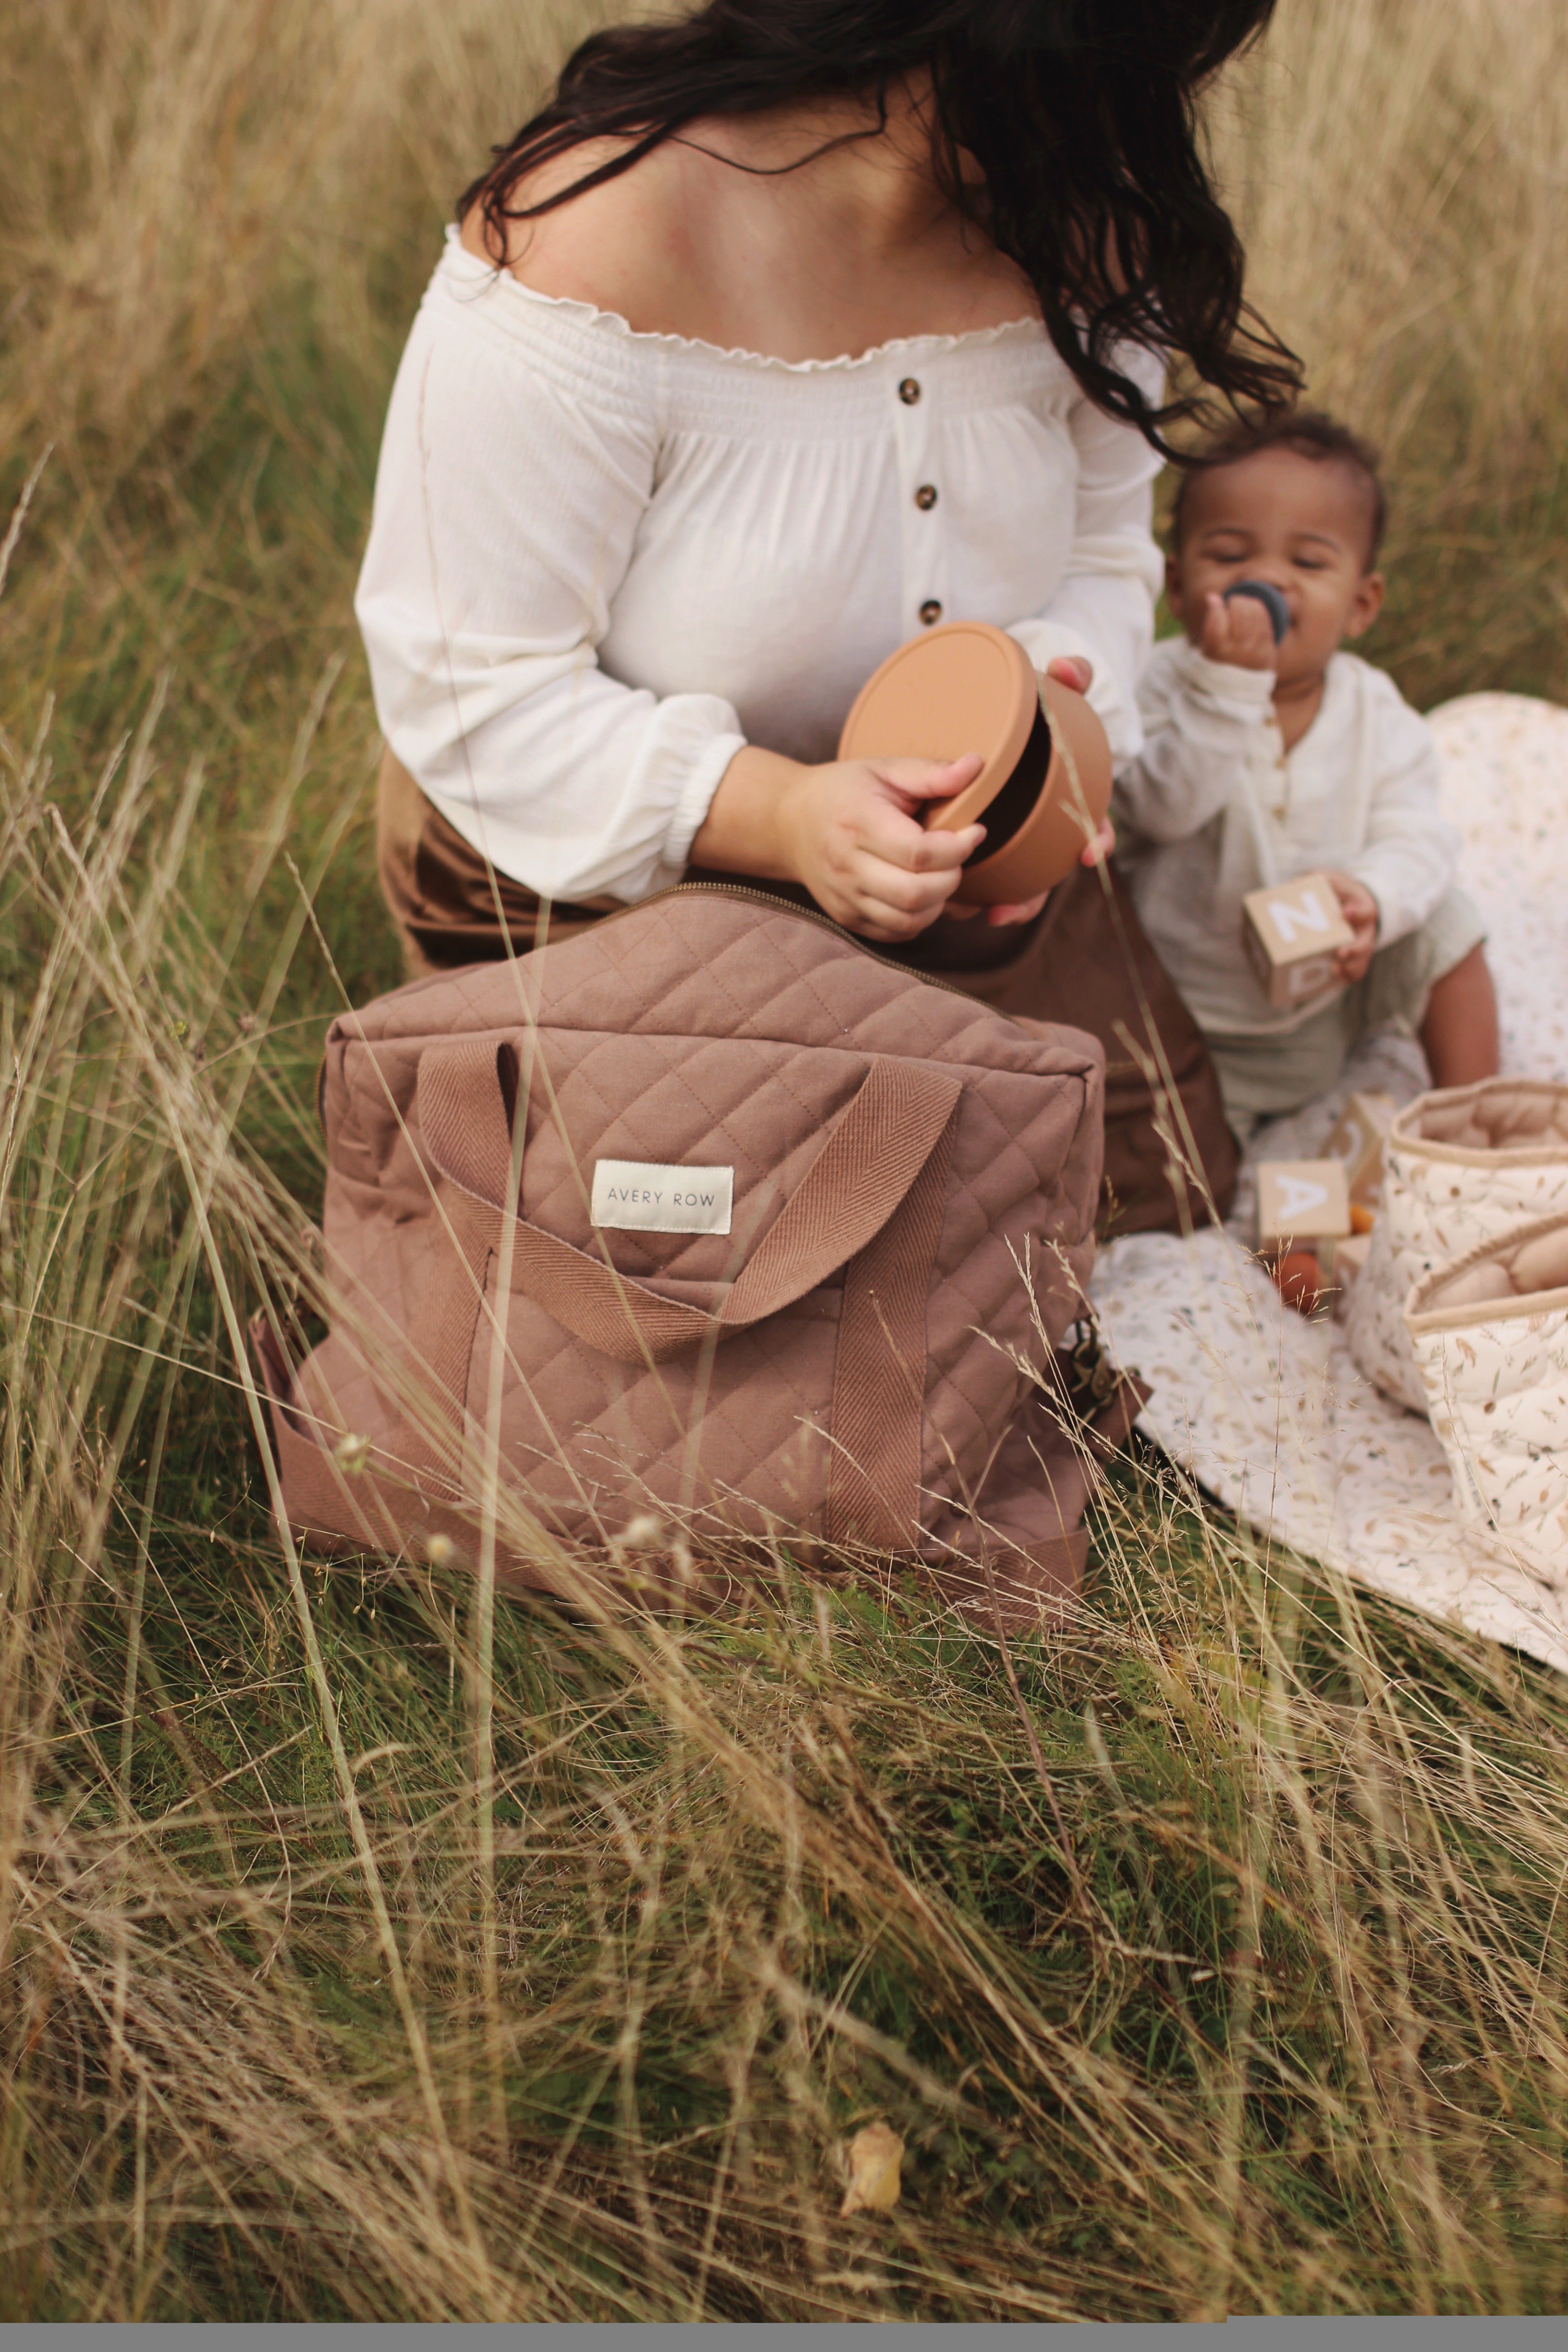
(1359, 908)
(1239, 632)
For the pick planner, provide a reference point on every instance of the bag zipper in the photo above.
(806, 915)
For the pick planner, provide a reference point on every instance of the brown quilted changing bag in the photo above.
(864, 1358)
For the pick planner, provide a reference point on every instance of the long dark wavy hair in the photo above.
(1080, 113)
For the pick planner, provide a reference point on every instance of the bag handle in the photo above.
(857, 1180)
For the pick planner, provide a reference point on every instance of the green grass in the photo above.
(1209, 1955)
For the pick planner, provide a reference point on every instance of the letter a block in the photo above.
(1302, 1201)
(1290, 934)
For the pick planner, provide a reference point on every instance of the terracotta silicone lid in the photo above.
(967, 687)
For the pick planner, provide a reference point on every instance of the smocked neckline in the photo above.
(611, 322)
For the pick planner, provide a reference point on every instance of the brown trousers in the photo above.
(1085, 962)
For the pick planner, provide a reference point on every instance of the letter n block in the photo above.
(1290, 933)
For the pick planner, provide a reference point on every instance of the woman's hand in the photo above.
(852, 833)
(850, 830)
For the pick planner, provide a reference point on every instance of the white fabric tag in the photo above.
(639, 1196)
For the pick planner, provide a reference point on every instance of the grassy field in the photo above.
(362, 1957)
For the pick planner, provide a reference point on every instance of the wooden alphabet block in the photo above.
(1303, 1201)
(1290, 933)
(1349, 1258)
(1357, 1140)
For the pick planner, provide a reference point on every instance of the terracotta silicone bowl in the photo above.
(1046, 783)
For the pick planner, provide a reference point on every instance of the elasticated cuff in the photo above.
(696, 797)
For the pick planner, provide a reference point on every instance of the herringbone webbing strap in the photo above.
(876, 1418)
(457, 1293)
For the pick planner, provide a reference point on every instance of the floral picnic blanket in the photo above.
(1268, 1410)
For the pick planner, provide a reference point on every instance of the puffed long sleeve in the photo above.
(1206, 729)
(1408, 854)
(507, 502)
(1104, 608)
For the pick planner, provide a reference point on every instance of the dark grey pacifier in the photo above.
(1271, 599)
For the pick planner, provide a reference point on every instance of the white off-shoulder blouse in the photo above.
(602, 561)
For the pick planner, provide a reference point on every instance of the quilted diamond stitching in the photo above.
(1015, 1172)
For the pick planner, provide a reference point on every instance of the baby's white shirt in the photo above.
(1214, 807)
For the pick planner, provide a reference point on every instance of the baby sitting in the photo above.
(1263, 763)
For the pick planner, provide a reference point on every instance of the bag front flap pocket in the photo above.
(859, 1177)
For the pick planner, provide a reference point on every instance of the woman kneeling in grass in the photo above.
(781, 333)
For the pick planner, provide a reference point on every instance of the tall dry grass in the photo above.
(175, 171)
(1398, 171)
(1398, 174)
(365, 1956)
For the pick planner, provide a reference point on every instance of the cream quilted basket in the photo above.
(1489, 1337)
(1461, 1168)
